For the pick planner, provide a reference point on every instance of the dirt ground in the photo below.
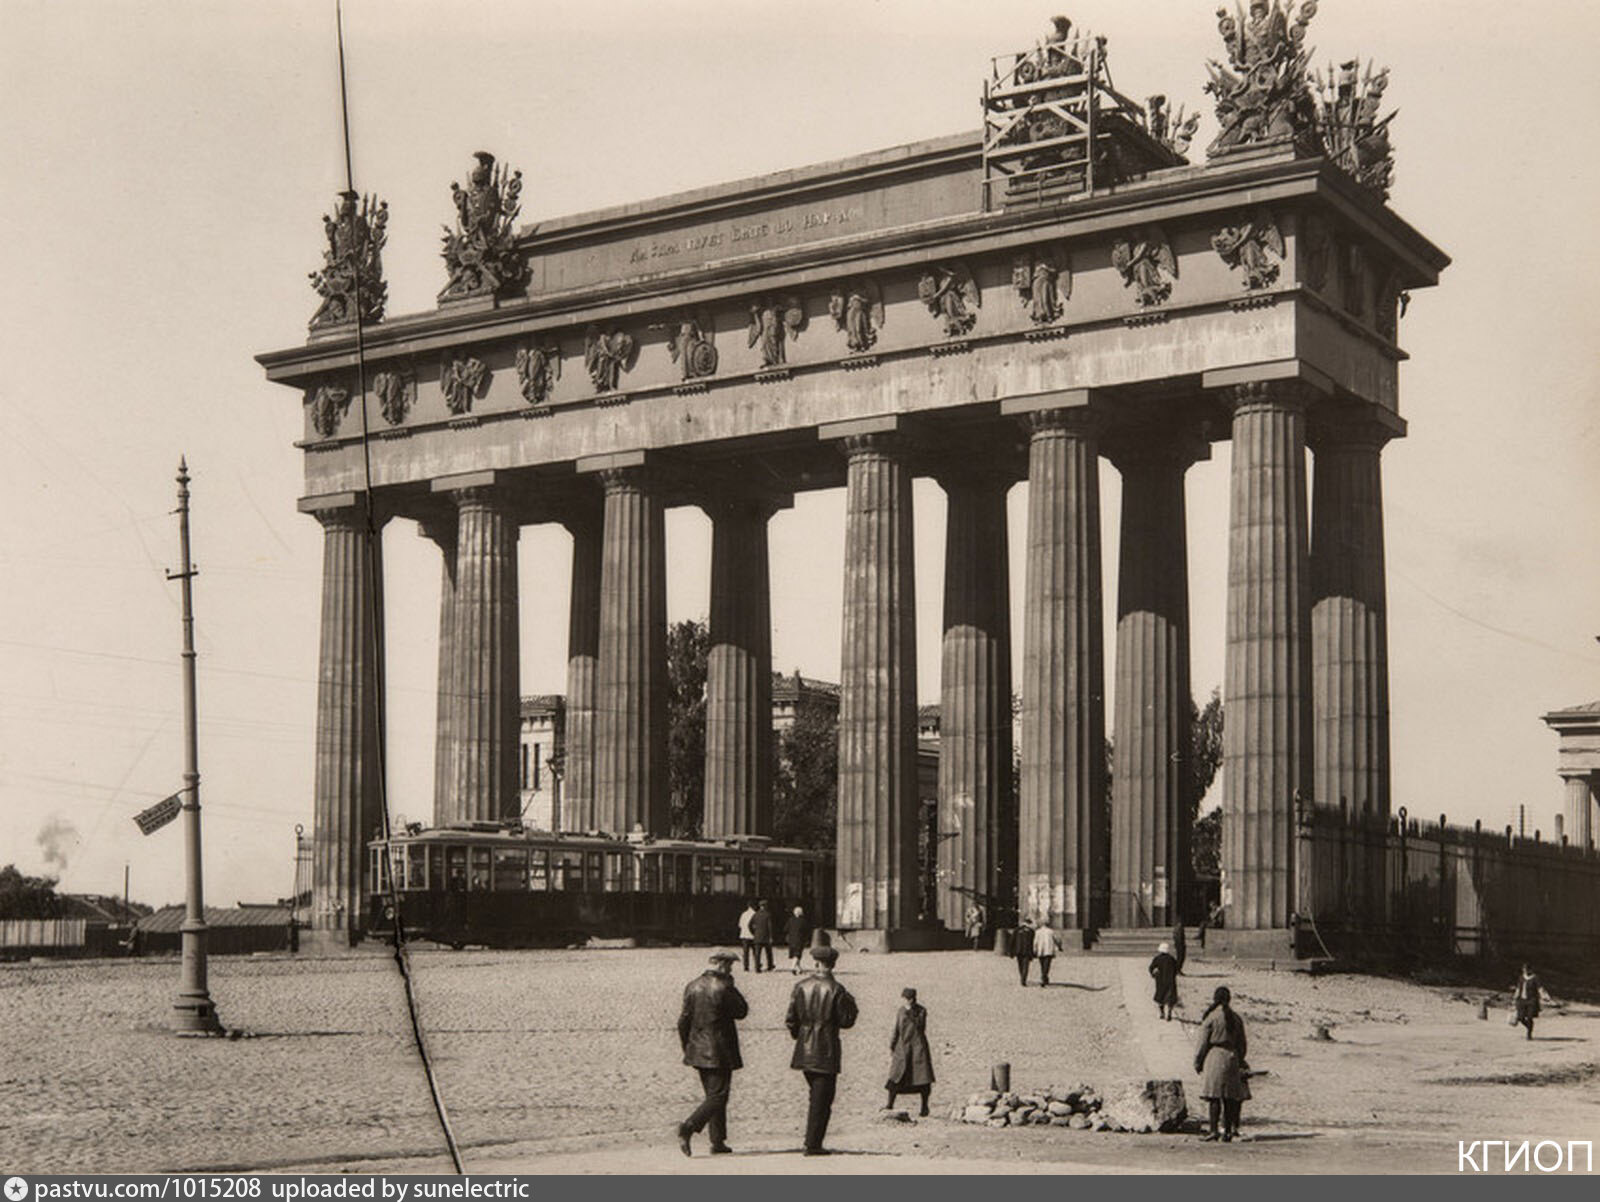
(567, 1061)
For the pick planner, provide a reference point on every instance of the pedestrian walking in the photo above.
(712, 1004)
(747, 938)
(796, 936)
(1220, 1059)
(910, 1060)
(761, 928)
(1525, 995)
(1022, 949)
(1046, 943)
(1179, 950)
(819, 1008)
(975, 920)
(1164, 969)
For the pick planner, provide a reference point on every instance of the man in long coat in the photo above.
(712, 1004)
(910, 1060)
(819, 1008)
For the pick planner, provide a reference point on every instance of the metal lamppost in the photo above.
(196, 1014)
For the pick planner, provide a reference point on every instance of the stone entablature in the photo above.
(1329, 305)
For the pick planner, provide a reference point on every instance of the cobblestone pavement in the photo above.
(568, 1061)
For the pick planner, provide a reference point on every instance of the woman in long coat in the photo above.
(1164, 968)
(795, 935)
(1220, 1059)
(910, 1062)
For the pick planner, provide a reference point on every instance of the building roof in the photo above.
(787, 686)
(1577, 714)
(543, 703)
(169, 919)
(96, 907)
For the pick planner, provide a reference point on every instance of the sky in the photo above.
(170, 166)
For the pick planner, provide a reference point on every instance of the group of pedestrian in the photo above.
(819, 1008)
(1035, 940)
(757, 928)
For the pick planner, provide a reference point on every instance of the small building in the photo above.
(239, 931)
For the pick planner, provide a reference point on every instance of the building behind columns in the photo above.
(1066, 292)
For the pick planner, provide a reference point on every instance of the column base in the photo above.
(906, 939)
(195, 1014)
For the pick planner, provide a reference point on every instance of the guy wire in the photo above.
(402, 955)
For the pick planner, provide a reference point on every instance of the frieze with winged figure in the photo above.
(1144, 259)
(606, 355)
(328, 403)
(856, 307)
(480, 254)
(690, 344)
(952, 295)
(351, 275)
(462, 379)
(1042, 277)
(395, 388)
(775, 320)
(1249, 246)
(538, 368)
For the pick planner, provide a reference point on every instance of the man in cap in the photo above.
(819, 1008)
(711, 1006)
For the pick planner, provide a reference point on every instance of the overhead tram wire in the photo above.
(402, 954)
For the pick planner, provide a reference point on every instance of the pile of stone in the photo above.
(1143, 1108)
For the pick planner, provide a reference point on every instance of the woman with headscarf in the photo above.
(1220, 1059)
(795, 935)
(1164, 968)
(910, 1062)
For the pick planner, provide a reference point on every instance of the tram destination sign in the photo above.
(158, 815)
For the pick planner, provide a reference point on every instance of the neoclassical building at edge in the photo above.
(1061, 291)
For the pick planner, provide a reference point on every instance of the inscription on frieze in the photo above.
(748, 235)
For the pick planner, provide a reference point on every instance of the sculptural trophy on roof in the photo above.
(351, 276)
(1263, 93)
(480, 253)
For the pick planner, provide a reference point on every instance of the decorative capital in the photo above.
(351, 278)
(952, 295)
(462, 379)
(876, 445)
(1282, 395)
(1367, 428)
(1144, 259)
(625, 479)
(1163, 450)
(1043, 423)
(480, 254)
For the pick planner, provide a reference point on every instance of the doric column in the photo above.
(739, 673)
(441, 531)
(1578, 819)
(583, 667)
(977, 824)
(1151, 775)
(488, 714)
(630, 756)
(1062, 840)
(1267, 673)
(1349, 624)
(349, 766)
(876, 872)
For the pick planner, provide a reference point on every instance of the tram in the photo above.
(500, 885)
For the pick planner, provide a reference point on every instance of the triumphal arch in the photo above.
(1070, 286)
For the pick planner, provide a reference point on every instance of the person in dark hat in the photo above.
(819, 1008)
(910, 1060)
(1219, 1057)
(712, 1004)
